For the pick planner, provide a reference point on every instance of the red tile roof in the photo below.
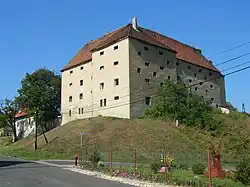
(20, 114)
(184, 52)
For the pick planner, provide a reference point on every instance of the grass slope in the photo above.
(148, 137)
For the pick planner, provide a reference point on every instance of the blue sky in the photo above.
(47, 33)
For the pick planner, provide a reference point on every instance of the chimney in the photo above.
(134, 23)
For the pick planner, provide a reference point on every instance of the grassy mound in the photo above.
(148, 137)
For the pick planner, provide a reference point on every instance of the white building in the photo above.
(116, 74)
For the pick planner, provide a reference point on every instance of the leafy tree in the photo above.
(40, 93)
(175, 101)
(8, 111)
(231, 107)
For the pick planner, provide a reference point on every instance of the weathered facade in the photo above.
(116, 75)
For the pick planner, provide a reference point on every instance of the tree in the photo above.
(8, 111)
(40, 93)
(176, 102)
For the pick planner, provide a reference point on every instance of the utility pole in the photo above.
(36, 119)
(243, 108)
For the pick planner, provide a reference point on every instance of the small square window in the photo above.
(116, 82)
(69, 112)
(201, 83)
(169, 78)
(146, 64)
(168, 62)
(138, 70)
(82, 110)
(184, 85)
(178, 77)
(205, 77)
(71, 72)
(139, 53)
(81, 96)
(194, 74)
(145, 48)
(200, 70)
(116, 47)
(104, 102)
(154, 74)
(115, 63)
(101, 103)
(177, 63)
(206, 92)
(102, 53)
(211, 86)
(147, 80)
(116, 98)
(102, 85)
(161, 68)
(160, 53)
(210, 73)
(81, 82)
(101, 67)
(161, 84)
(147, 100)
(70, 98)
(190, 80)
(195, 88)
(70, 84)
(79, 111)
(189, 67)
(212, 99)
(81, 68)
(202, 96)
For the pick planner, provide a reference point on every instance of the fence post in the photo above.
(93, 160)
(110, 158)
(165, 164)
(209, 169)
(135, 162)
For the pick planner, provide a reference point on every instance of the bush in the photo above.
(156, 166)
(97, 157)
(183, 167)
(198, 168)
(243, 171)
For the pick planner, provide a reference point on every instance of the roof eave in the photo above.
(73, 66)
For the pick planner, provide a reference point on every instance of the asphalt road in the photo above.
(19, 173)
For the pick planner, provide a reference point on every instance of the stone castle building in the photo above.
(115, 74)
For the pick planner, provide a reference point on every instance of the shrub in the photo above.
(156, 166)
(243, 171)
(97, 157)
(198, 168)
(183, 167)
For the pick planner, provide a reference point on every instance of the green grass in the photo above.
(148, 137)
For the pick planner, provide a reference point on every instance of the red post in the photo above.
(135, 162)
(93, 160)
(165, 164)
(110, 158)
(209, 169)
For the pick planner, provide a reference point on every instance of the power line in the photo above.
(159, 95)
(231, 59)
(138, 93)
(230, 49)
(236, 66)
